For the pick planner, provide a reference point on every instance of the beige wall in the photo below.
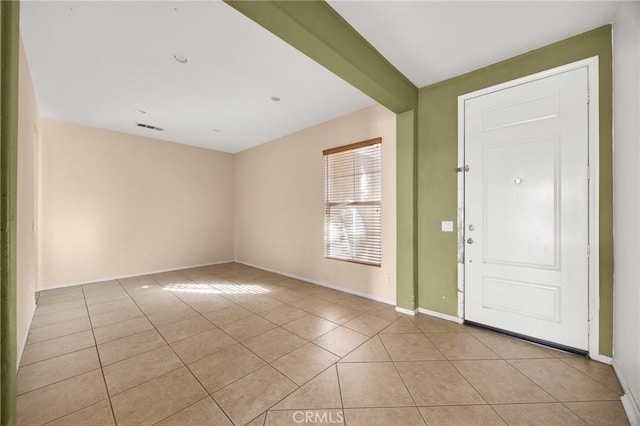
(116, 205)
(26, 209)
(279, 210)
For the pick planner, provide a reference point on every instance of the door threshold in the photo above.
(540, 342)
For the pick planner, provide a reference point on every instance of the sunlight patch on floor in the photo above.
(216, 288)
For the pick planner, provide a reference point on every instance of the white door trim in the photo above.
(594, 142)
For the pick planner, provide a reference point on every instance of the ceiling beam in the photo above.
(318, 31)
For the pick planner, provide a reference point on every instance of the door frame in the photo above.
(593, 185)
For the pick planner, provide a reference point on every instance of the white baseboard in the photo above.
(413, 312)
(406, 311)
(440, 315)
(286, 274)
(631, 407)
(320, 283)
(25, 337)
(121, 277)
(603, 359)
(632, 410)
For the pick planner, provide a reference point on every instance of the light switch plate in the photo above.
(447, 226)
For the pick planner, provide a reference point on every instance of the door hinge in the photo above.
(588, 172)
(463, 169)
(589, 250)
(588, 96)
(588, 328)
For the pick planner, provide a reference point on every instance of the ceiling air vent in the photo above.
(149, 126)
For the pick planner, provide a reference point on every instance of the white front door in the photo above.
(526, 208)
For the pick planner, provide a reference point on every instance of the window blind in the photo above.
(353, 193)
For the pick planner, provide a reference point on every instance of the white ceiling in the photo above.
(430, 41)
(97, 63)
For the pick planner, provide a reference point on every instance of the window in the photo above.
(353, 191)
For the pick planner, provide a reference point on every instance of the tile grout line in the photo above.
(300, 386)
(338, 374)
(238, 343)
(564, 404)
(281, 356)
(282, 326)
(531, 379)
(375, 407)
(64, 335)
(187, 407)
(395, 367)
(476, 390)
(457, 370)
(178, 357)
(355, 348)
(460, 372)
(270, 363)
(253, 371)
(60, 380)
(500, 416)
(483, 345)
(132, 356)
(588, 375)
(257, 355)
(101, 371)
(104, 379)
(118, 321)
(60, 355)
(465, 377)
(256, 418)
(572, 368)
(335, 364)
(52, 324)
(236, 277)
(37, 315)
(76, 375)
(168, 372)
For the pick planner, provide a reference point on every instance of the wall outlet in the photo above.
(447, 226)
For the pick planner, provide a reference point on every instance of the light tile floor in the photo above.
(229, 344)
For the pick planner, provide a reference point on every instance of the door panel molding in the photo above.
(513, 254)
(539, 111)
(495, 289)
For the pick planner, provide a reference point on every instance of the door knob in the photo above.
(469, 240)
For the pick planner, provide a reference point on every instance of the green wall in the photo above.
(427, 140)
(9, 39)
(437, 150)
(406, 219)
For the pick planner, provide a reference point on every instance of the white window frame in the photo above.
(354, 257)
